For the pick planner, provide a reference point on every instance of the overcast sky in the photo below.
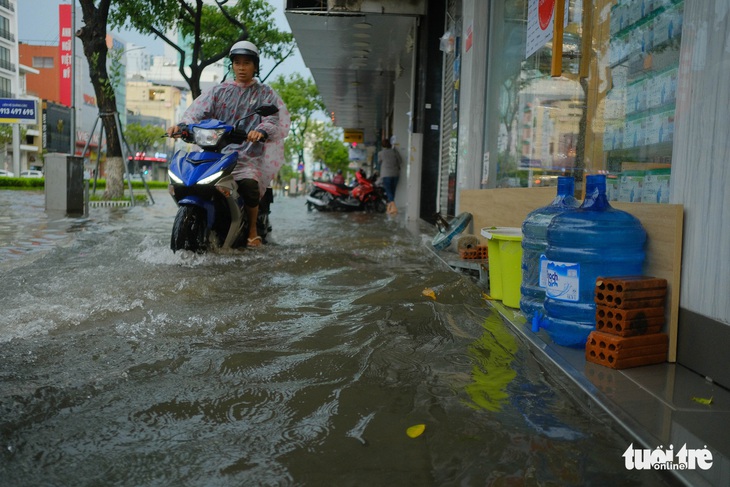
(38, 24)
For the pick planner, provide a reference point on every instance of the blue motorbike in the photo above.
(210, 211)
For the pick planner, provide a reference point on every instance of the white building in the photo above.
(16, 156)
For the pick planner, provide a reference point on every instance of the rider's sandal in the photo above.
(255, 242)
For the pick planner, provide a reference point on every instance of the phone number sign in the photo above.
(17, 111)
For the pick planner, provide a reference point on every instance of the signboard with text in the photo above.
(17, 111)
(65, 40)
(354, 135)
(540, 15)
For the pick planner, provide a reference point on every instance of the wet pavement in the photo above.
(302, 363)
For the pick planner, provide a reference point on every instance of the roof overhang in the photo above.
(355, 57)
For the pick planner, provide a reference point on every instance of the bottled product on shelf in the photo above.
(534, 243)
(595, 240)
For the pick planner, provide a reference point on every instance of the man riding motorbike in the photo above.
(262, 154)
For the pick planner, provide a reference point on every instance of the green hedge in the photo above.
(38, 183)
(101, 183)
(21, 183)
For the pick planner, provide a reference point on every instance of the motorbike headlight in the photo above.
(174, 178)
(210, 178)
(207, 137)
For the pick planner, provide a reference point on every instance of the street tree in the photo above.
(6, 137)
(93, 37)
(212, 29)
(209, 29)
(329, 147)
(6, 134)
(143, 138)
(303, 101)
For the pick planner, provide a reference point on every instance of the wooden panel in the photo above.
(508, 207)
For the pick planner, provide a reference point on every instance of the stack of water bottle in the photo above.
(565, 247)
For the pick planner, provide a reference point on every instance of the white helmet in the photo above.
(244, 48)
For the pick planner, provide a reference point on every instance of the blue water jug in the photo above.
(594, 240)
(534, 243)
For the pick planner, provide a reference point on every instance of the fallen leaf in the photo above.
(429, 292)
(486, 297)
(702, 400)
(416, 430)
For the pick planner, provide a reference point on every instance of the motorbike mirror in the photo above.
(266, 110)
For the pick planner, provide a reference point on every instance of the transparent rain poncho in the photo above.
(231, 101)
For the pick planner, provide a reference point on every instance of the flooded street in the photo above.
(303, 363)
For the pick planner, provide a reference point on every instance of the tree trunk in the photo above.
(114, 158)
(93, 37)
(194, 82)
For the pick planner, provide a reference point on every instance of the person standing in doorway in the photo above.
(390, 162)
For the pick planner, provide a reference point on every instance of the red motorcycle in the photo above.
(364, 196)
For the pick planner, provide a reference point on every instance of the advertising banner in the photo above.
(17, 111)
(540, 14)
(65, 40)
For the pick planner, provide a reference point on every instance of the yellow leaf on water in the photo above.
(429, 292)
(416, 430)
(702, 400)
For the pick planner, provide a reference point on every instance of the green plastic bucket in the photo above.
(504, 245)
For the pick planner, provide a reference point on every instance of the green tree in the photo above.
(6, 134)
(303, 101)
(209, 30)
(286, 173)
(329, 147)
(93, 37)
(212, 29)
(6, 137)
(142, 138)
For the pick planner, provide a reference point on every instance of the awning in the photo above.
(355, 58)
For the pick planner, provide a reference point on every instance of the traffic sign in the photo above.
(17, 111)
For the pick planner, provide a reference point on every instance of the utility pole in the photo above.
(72, 149)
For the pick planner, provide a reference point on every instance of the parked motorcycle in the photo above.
(364, 196)
(210, 210)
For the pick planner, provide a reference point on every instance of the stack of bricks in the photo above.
(476, 252)
(629, 320)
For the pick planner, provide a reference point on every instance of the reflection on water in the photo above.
(493, 354)
(25, 228)
(301, 363)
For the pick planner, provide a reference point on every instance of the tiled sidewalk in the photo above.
(654, 404)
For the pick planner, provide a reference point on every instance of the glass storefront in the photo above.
(608, 107)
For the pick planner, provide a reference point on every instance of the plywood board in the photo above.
(508, 207)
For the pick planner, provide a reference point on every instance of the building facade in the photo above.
(21, 152)
(153, 100)
(490, 94)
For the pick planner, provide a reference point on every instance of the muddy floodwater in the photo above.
(341, 354)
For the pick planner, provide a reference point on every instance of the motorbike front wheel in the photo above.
(190, 230)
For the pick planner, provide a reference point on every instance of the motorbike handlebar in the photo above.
(182, 132)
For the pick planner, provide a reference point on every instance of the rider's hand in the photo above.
(173, 132)
(255, 136)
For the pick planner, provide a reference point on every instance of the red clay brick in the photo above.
(627, 363)
(630, 283)
(625, 352)
(629, 322)
(630, 292)
(476, 252)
